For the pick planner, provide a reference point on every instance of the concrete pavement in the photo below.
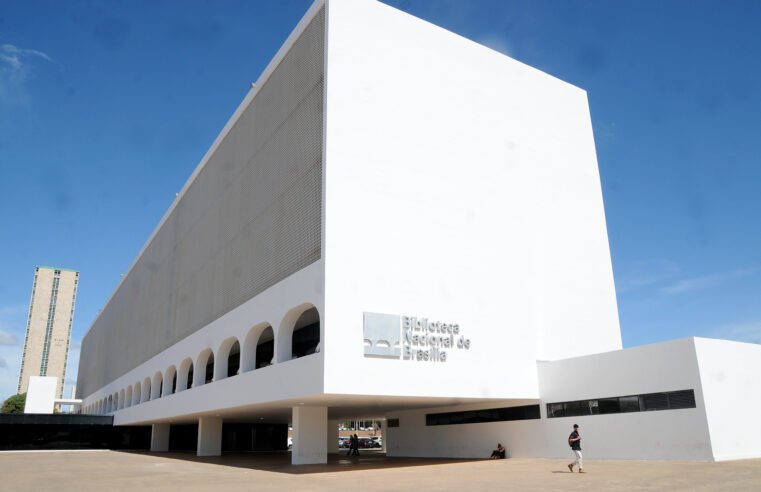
(372, 471)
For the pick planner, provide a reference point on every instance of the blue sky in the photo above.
(107, 107)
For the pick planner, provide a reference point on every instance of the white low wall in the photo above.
(667, 434)
(413, 438)
(730, 374)
(658, 435)
(40, 396)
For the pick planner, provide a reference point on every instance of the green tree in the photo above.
(14, 404)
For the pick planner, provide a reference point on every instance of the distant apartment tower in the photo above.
(48, 329)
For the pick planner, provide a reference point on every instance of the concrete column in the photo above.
(209, 436)
(160, 438)
(156, 388)
(384, 437)
(333, 436)
(199, 373)
(167, 389)
(310, 435)
(283, 346)
(182, 378)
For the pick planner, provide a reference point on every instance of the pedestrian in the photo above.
(574, 440)
(354, 446)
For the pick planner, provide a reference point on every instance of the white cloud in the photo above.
(15, 66)
(10, 363)
(645, 273)
(7, 338)
(12, 327)
(743, 332)
(695, 283)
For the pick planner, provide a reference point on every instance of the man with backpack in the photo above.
(574, 440)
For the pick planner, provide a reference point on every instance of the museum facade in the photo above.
(401, 224)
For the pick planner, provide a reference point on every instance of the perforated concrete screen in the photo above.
(251, 218)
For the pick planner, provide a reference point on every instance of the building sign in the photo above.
(390, 336)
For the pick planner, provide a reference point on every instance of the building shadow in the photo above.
(280, 462)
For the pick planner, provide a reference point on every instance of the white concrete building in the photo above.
(407, 227)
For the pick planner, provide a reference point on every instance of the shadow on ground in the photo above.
(280, 462)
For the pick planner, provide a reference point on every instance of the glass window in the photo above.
(622, 404)
(681, 399)
(629, 403)
(609, 405)
(593, 406)
(573, 409)
(654, 401)
(485, 415)
(555, 410)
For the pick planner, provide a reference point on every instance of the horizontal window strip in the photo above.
(671, 400)
(527, 412)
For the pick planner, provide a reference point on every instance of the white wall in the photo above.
(730, 373)
(461, 185)
(40, 394)
(414, 438)
(666, 434)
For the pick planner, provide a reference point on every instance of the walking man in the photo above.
(574, 440)
(354, 449)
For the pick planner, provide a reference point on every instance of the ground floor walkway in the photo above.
(371, 471)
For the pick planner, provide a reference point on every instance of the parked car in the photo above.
(366, 442)
(343, 442)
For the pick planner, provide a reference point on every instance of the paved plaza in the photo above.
(125, 471)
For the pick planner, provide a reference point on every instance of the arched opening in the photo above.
(205, 368)
(265, 348)
(128, 397)
(185, 375)
(209, 376)
(170, 376)
(298, 334)
(110, 403)
(136, 393)
(146, 394)
(228, 359)
(233, 360)
(121, 399)
(116, 402)
(156, 385)
(306, 334)
(248, 356)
